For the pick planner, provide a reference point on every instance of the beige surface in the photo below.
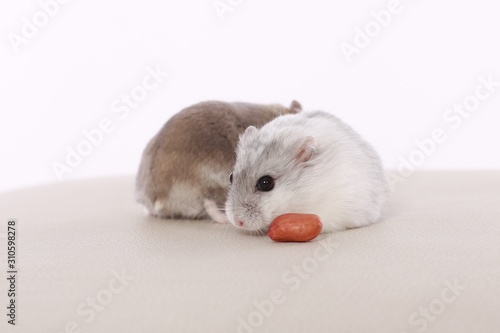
(197, 276)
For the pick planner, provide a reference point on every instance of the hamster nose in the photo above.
(240, 223)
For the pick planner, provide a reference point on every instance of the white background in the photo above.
(66, 78)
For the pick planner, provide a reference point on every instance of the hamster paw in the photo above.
(214, 212)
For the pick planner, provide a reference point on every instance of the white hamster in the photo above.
(309, 162)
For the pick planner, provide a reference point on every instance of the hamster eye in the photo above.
(265, 183)
(231, 178)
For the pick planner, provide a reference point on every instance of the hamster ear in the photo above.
(251, 130)
(307, 149)
(295, 107)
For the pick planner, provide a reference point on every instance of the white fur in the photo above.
(212, 175)
(214, 213)
(158, 207)
(183, 199)
(343, 181)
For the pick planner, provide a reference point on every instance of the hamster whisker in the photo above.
(262, 230)
(221, 208)
(256, 233)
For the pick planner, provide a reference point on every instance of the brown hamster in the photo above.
(185, 167)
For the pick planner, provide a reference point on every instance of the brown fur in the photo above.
(201, 137)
